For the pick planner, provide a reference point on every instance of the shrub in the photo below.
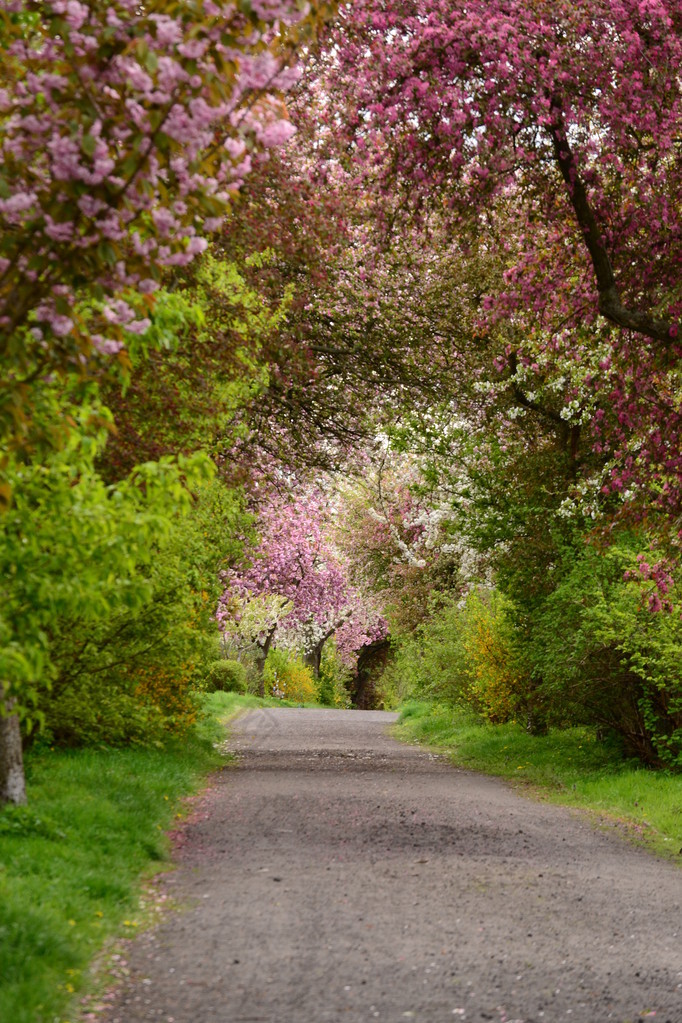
(465, 655)
(91, 714)
(122, 670)
(136, 704)
(497, 685)
(226, 676)
(288, 678)
(334, 678)
(609, 655)
(171, 695)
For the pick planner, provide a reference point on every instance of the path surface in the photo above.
(338, 875)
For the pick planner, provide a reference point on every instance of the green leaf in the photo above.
(107, 253)
(88, 144)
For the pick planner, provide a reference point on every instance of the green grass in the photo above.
(568, 766)
(72, 861)
(223, 706)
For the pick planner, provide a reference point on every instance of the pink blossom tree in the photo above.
(297, 573)
(127, 131)
(547, 132)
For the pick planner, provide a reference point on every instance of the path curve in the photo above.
(337, 875)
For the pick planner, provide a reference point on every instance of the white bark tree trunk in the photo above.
(12, 781)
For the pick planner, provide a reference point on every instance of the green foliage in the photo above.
(591, 639)
(288, 678)
(69, 547)
(598, 647)
(109, 590)
(466, 654)
(604, 656)
(333, 678)
(46, 280)
(70, 863)
(571, 765)
(196, 368)
(226, 676)
(130, 676)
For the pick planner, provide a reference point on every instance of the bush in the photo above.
(101, 716)
(125, 670)
(495, 681)
(465, 655)
(226, 676)
(609, 653)
(288, 678)
(334, 678)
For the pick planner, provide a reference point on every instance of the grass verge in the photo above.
(72, 861)
(224, 706)
(568, 766)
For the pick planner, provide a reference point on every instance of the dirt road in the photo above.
(337, 875)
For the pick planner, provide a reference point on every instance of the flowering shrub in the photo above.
(288, 678)
(496, 682)
(168, 695)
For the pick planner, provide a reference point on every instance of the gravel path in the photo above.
(337, 875)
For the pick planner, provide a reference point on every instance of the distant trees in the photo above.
(295, 589)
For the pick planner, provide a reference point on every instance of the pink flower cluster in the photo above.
(126, 131)
(661, 576)
(297, 560)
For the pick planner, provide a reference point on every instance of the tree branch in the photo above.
(610, 303)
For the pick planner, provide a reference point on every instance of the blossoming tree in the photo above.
(550, 130)
(297, 579)
(127, 131)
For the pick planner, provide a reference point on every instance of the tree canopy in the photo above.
(324, 325)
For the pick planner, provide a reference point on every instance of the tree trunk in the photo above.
(263, 649)
(314, 658)
(372, 661)
(12, 783)
(260, 668)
